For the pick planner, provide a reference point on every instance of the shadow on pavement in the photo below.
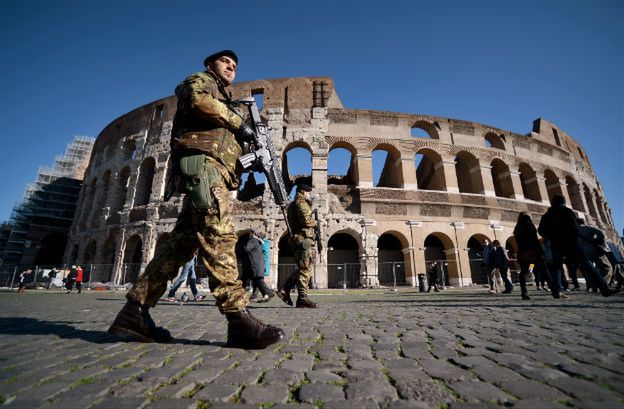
(33, 326)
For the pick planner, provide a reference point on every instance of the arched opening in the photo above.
(574, 192)
(429, 170)
(144, 183)
(528, 180)
(87, 204)
(122, 190)
(342, 165)
(343, 263)
(491, 140)
(387, 167)
(51, 249)
(478, 271)
(423, 129)
(88, 259)
(591, 207)
(553, 187)
(102, 194)
(439, 247)
(468, 173)
(501, 177)
(297, 165)
(105, 268)
(133, 256)
(391, 266)
(286, 264)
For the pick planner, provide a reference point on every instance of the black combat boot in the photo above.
(284, 294)
(305, 302)
(134, 323)
(247, 332)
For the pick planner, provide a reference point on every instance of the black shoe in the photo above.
(525, 297)
(609, 292)
(305, 302)
(284, 294)
(247, 332)
(134, 322)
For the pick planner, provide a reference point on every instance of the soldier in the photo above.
(302, 242)
(206, 140)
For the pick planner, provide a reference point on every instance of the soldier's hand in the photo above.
(245, 133)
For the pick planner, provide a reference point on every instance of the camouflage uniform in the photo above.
(302, 243)
(203, 124)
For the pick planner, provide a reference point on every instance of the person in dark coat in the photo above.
(71, 279)
(529, 250)
(254, 265)
(560, 226)
(488, 261)
(434, 274)
(501, 262)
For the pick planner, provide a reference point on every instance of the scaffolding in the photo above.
(47, 206)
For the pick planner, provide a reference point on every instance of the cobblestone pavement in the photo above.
(363, 348)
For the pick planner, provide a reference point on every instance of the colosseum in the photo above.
(446, 185)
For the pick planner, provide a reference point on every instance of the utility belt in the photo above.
(218, 143)
(198, 177)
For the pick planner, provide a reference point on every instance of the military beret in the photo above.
(218, 54)
(303, 188)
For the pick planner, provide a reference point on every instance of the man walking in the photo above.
(302, 224)
(188, 271)
(559, 225)
(206, 142)
(501, 262)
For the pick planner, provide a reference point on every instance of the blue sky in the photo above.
(70, 67)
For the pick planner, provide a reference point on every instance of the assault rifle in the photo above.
(317, 231)
(263, 158)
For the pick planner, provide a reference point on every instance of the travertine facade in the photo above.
(446, 185)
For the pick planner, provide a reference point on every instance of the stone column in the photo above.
(541, 183)
(365, 170)
(407, 261)
(409, 173)
(516, 184)
(486, 178)
(450, 176)
(564, 191)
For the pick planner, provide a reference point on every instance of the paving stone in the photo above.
(282, 376)
(216, 393)
(375, 391)
(256, 394)
(582, 389)
(180, 403)
(445, 371)
(529, 389)
(238, 377)
(475, 391)
(119, 403)
(496, 374)
(313, 392)
(323, 376)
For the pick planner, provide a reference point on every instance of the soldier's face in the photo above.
(225, 68)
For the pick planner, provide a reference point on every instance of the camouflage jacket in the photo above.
(204, 122)
(300, 217)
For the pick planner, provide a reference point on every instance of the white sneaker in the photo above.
(199, 297)
(170, 299)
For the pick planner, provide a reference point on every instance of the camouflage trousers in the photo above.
(304, 254)
(212, 232)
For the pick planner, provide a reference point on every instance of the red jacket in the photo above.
(79, 275)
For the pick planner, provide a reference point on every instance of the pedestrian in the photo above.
(560, 226)
(254, 265)
(488, 261)
(302, 224)
(79, 277)
(71, 279)
(207, 138)
(23, 279)
(593, 242)
(433, 277)
(501, 262)
(530, 251)
(188, 272)
(51, 276)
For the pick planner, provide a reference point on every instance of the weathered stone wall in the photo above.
(445, 185)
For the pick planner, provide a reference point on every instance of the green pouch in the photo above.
(199, 177)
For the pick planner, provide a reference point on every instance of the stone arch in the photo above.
(421, 126)
(144, 182)
(468, 171)
(553, 187)
(478, 271)
(343, 259)
(133, 257)
(121, 191)
(107, 259)
(299, 171)
(492, 140)
(528, 180)
(429, 170)
(350, 176)
(439, 247)
(392, 260)
(128, 149)
(574, 192)
(391, 174)
(501, 177)
(591, 207)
